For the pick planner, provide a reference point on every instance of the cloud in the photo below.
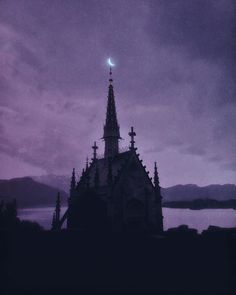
(174, 82)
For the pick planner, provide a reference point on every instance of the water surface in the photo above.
(173, 217)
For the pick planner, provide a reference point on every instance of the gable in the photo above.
(134, 178)
(117, 164)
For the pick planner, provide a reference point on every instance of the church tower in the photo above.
(114, 192)
(111, 133)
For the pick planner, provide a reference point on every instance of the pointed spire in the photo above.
(54, 221)
(132, 134)
(156, 177)
(82, 178)
(94, 147)
(73, 181)
(58, 208)
(86, 173)
(87, 164)
(56, 214)
(111, 133)
(78, 180)
(82, 175)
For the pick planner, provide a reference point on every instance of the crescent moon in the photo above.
(110, 62)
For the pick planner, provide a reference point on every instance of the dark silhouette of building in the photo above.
(114, 192)
(56, 214)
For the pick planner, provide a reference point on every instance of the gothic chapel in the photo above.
(114, 192)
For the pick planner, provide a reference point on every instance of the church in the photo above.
(114, 192)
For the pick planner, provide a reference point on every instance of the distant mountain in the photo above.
(61, 182)
(187, 192)
(190, 192)
(39, 191)
(29, 193)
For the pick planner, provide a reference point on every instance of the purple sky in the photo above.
(174, 82)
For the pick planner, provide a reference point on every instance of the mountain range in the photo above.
(38, 191)
(30, 193)
(190, 192)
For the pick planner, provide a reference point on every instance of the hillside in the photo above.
(29, 193)
(42, 190)
(187, 192)
(190, 192)
(61, 182)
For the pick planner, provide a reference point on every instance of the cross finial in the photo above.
(132, 134)
(94, 147)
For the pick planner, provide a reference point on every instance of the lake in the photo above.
(173, 217)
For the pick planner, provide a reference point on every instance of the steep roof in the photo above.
(117, 164)
(103, 167)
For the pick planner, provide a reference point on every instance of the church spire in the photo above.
(111, 133)
(56, 214)
(73, 181)
(87, 163)
(58, 208)
(156, 177)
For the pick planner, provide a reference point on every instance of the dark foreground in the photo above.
(80, 263)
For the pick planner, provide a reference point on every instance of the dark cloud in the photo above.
(195, 150)
(201, 29)
(174, 81)
(206, 29)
